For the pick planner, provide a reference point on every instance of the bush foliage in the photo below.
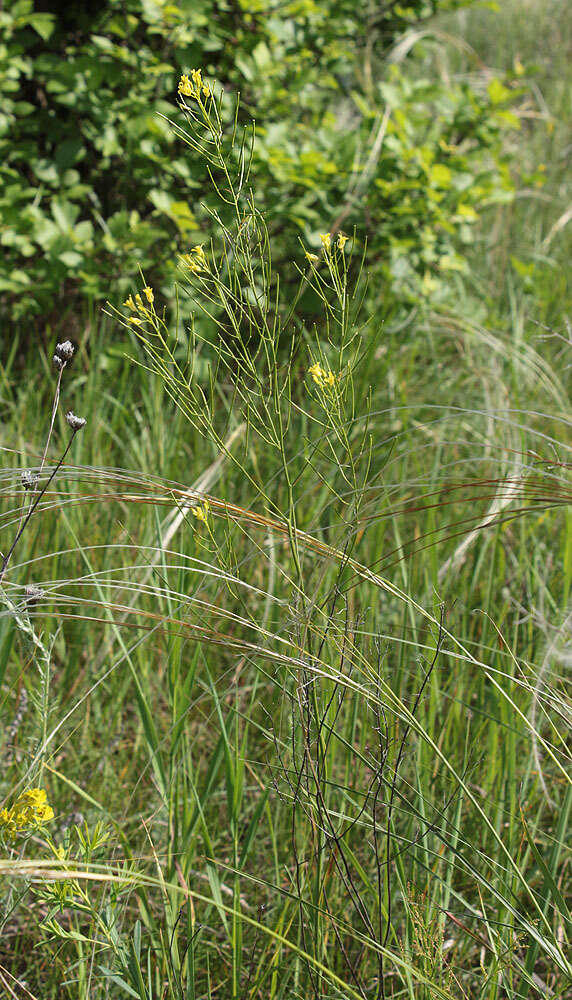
(95, 182)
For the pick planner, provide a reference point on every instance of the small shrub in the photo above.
(94, 182)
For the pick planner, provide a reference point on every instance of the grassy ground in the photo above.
(314, 741)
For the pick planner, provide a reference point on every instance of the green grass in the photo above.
(325, 730)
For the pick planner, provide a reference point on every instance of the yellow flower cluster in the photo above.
(321, 377)
(326, 239)
(195, 260)
(136, 305)
(201, 511)
(195, 86)
(30, 810)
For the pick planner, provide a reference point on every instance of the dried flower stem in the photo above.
(47, 445)
(24, 523)
(54, 411)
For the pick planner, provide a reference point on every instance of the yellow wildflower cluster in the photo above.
(321, 377)
(195, 86)
(136, 305)
(29, 811)
(201, 511)
(326, 240)
(195, 260)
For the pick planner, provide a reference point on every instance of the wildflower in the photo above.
(201, 511)
(139, 301)
(135, 320)
(76, 423)
(30, 810)
(326, 241)
(148, 293)
(199, 253)
(200, 84)
(312, 257)
(194, 87)
(321, 377)
(192, 263)
(342, 240)
(185, 86)
(130, 303)
(32, 806)
(29, 479)
(196, 260)
(8, 823)
(59, 363)
(317, 373)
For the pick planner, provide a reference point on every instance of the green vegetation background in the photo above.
(318, 744)
(96, 183)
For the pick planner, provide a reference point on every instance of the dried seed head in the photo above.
(29, 479)
(76, 423)
(59, 363)
(33, 594)
(65, 350)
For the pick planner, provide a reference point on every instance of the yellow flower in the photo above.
(194, 87)
(321, 377)
(194, 268)
(32, 806)
(148, 293)
(135, 320)
(30, 810)
(326, 241)
(129, 303)
(201, 511)
(185, 86)
(8, 822)
(312, 257)
(199, 252)
(139, 301)
(342, 240)
(195, 260)
(317, 373)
